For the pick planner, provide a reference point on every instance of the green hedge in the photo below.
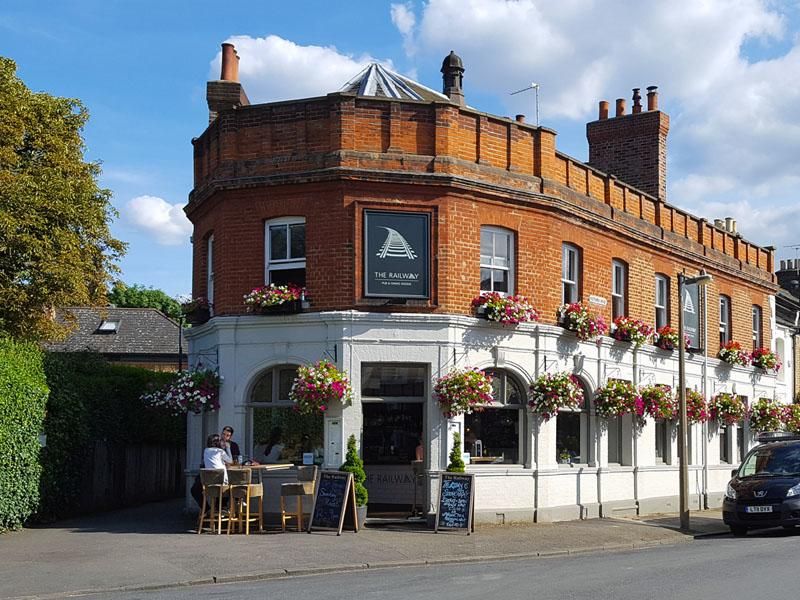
(23, 395)
(91, 400)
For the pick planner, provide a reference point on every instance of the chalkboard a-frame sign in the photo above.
(456, 502)
(335, 495)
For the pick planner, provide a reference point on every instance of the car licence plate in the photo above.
(758, 509)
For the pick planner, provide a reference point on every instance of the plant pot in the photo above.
(286, 308)
(361, 513)
(198, 316)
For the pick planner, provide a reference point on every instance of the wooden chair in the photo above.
(214, 488)
(242, 493)
(304, 486)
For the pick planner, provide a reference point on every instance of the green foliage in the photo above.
(139, 296)
(55, 245)
(93, 400)
(353, 464)
(23, 395)
(456, 462)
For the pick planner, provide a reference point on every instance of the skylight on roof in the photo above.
(108, 327)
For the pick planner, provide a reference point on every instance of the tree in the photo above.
(456, 462)
(55, 245)
(353, 464)
(139, 296)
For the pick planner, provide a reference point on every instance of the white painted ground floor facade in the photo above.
(393, 360)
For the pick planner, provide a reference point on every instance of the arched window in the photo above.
(572, 432)
(277, 432)
(494, 435)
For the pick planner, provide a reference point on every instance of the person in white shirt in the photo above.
(214, 457)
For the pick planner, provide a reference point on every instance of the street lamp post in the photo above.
(683, 281)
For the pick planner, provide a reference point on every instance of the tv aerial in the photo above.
(535, 88)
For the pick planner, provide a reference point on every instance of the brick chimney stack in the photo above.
(632, 146)
(226, 92)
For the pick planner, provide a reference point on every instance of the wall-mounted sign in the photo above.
(396, 254)
(598, 300)
(691, 314)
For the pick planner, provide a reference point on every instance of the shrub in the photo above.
(617, 398)
(552, 392)
(23, 396)
(353, 464)
(456, 464)
(659, 402)
(766, 415)
(727, 408)
(462, 391)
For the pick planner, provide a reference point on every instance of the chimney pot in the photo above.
(230, 62)
(719, 223)
(783, 265)
(620, 107)
(652, 97)
(637, 101)
(729, 227)
(520, 118)
(603, 110)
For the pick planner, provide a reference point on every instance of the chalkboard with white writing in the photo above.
(335, 494)
(456, 501)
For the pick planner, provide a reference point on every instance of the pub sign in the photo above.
(396, 247)
(691, 314)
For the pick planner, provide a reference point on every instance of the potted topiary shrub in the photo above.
(353, 464)
(456, 464)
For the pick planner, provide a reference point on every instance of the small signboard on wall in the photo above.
(396, 254)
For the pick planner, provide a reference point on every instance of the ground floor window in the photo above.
(493, 436)
(392, 432)
(724, 443)
(662, 432)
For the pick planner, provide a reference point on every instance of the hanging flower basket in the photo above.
(317, 386)
(274, 299)
(197, 311)
(552, 392)
(618, 398)
(733, 354)
(791, 417)
(659, 401)
(576, 317)
(727, 408)
(631, 330)
(696, 407)
(463, 391)
(765, 359)
(766, 415)
(195, 390)
(508, 310)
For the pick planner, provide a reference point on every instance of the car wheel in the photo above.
(739, 530)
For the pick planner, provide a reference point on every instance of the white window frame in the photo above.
(724, 319)
(210, 271)
(619, 288)
(282, 264)
(498, 233)
(662, 303)
(757, 326)
(570, 260)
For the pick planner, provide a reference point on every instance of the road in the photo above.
(762, 565)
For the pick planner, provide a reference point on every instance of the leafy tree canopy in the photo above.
(55, 245)
(139, 296)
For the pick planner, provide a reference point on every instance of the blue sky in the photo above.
(728, 74)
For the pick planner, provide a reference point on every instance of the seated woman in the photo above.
(214, 457)
(269, 452)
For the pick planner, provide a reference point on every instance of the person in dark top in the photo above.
(230, 447)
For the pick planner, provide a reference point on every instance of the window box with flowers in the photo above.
(791, 417)
(576, 317)
(194, 390)
(631, 330)
(696, 407)
(733, 354)
(727, 409)
(508, 310)
(317, 386)
(552, 392)
(764, 359)
(659, 402)
(463, 391)
(197, 311)
(666, 338)
(275, 299)
(766, 415)
(617, 398)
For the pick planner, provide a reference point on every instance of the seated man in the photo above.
(230, 447)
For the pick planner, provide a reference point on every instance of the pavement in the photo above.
(155, 547)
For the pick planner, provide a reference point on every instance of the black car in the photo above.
(765, 489)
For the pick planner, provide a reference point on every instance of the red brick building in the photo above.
(283, 192)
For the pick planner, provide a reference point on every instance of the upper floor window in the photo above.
(570, 274)
(756, 327)
(210, 270)
(662, 301)
(619, 288)
(724, 320)
(497, 260)
(286, 251)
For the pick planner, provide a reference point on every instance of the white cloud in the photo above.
(404, 19)
(272, 68)
(165, 222)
